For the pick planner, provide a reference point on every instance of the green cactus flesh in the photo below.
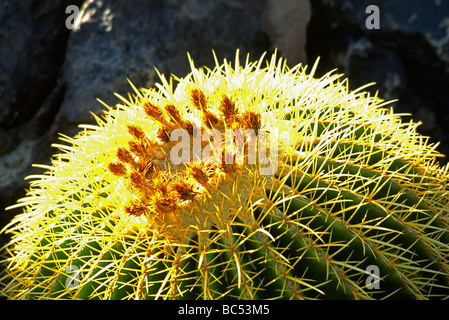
(355, 206)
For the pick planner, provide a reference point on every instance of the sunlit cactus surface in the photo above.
(248, 181)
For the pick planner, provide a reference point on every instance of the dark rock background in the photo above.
(51, 77)
(407, 57)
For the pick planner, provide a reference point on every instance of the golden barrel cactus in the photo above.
(253, 181)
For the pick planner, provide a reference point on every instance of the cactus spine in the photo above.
(138, 207)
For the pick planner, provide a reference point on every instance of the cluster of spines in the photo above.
(146, 165)
(357, 191)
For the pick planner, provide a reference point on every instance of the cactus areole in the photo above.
(254, 181)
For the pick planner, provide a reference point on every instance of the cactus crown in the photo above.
(240, 182)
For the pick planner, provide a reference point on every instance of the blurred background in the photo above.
(54, 67)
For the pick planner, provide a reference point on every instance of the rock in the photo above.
(126, 39)
(407, 57)
(31, 55)
(285, 22)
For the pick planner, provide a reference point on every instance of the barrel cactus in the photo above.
(246, 181)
